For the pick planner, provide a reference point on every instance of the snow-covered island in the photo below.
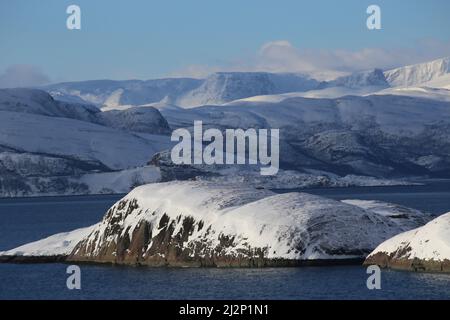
(200, 223)
(424, 249)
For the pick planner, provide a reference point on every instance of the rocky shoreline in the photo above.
(243, 263)
(387, 261)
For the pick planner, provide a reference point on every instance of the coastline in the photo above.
(245, 263)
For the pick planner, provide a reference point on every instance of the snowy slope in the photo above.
(376, 135)
(355, 84)
(61, 138)
(30, 165)
(424, 249)
(59, 179)
(39, 102)
(75, 139)
(250, 175)
(224, 87)
(142, 119)
(440, 94)
(327, 93)
(383, 136)
(290, 179)
(428, 80)
(217, 88)
(238, 223)
(118, 181)
(58, 244)
(33, 101)
(392, 114)
(349, 132)
(418, 74)
(405, 217)
(442, 82)
(112, 93)
(368, 78)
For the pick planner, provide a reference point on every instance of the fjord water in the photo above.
(29, 219)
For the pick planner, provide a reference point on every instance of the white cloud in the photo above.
(22, 75)
(282, 56)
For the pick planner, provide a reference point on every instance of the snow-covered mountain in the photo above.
(420, 74)
(74, 139)
(52, 177)
(380, 135)
(41, 103)
(426, 80)
(250, 175)
(374, 135)
(356, 84)
(369, 78)
(424, 249)
(216, 89)
(112, 93)
(31, 101)
(135, 119)
(52, 147)
(209, 224)
(224, 87)
(397, 132)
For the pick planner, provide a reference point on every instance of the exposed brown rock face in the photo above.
(166, 248)
(385, 260)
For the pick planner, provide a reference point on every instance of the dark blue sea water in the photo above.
(48, 281)
(25, 220)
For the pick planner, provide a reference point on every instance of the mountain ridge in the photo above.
(418, 74)
(225, 87)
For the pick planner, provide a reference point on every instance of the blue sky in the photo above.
(152, 38)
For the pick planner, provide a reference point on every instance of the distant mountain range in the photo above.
(112, 93)
(216, 89)
(108, 136)
(224, 87)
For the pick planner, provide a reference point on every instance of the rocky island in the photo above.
(204, 224)
(424, 249)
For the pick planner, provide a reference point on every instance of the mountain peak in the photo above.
(417, 74)
(374, 77)
(222, 87)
